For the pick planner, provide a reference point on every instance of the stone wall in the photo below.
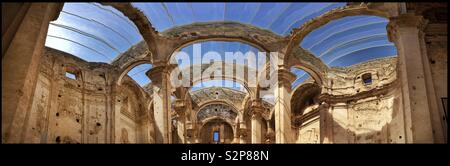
(352, 110)
(309, 132)
(377, 119)
(82, 109)
(436, 43)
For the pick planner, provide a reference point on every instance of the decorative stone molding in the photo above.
(285, 77)
(180, 107)
(157, 73)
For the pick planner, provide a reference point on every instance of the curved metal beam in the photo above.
(377, 9)
(144, 26)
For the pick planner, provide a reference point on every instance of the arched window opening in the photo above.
(138, 74)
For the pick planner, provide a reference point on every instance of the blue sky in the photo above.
(98, 33)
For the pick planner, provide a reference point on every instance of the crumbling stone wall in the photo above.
(355, 109)
(81, 109)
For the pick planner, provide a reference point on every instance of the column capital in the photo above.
(157, 72)
(256, 108)
(408, 20)
(284, 76)
(180, 107)
(242, 133)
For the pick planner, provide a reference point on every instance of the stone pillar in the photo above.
(20, 62)
(325, 123)
(256, 111)
(180, 109)
(270, 134)
(283, 130)
(160, 76)
(405, 31)
(242, 133)
(190, 133)
(236, 131)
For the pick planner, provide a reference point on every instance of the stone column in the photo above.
(325, 123)
(405, 31)
(256, 111)
(242, 133)
(180, 108)
(236, 131)
(159, 76)
(270, 134)
(190, 132)
(21, 55)
(282, 93)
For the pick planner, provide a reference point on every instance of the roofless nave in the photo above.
(344, 73)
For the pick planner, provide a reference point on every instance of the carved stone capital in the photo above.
(256, 108)
(157, 73)
(284, 77)
(408, 20)
(180, 107)
(242, 133)
(389, 9)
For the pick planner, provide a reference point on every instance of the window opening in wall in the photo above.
(367, 78)
(71, 76)
(216, 136)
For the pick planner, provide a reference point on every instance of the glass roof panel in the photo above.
(350, 40)
(280, 18)
(138, 74)
(92, 32)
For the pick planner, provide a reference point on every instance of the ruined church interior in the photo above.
(340, 73)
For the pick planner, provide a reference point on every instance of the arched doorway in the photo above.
(216, 131)
(216, 123)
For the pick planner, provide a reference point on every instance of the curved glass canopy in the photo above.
(92, 32)
(98, 33)
(138, 74)
(348, 41)
(301, 76)
(280, 18)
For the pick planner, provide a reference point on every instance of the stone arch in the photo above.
(223, 102)
(208, 119)
(300, 91)
(148, 32)
(134, 87)
(318, 77)
(201, 127)
(195, 79)
(188, 43)
(184, 35)
(128, 67)
(242, 82)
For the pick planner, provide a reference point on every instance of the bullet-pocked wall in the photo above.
(363, 104)
(76, 102)
(52, 95)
